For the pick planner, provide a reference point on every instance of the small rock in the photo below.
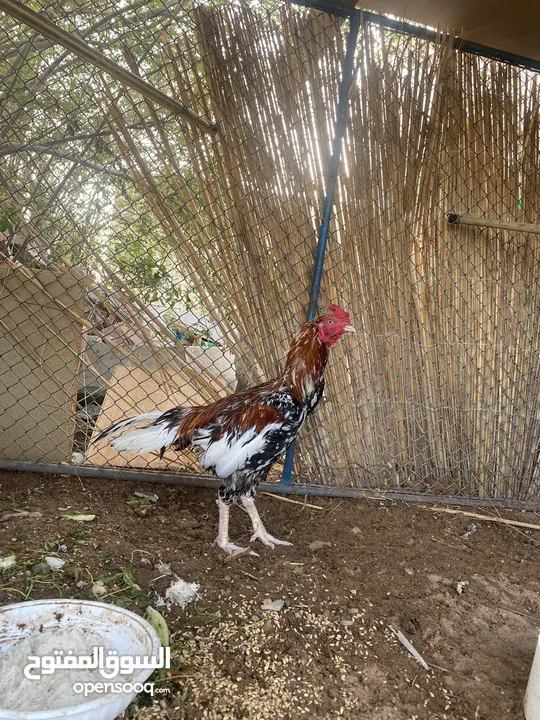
(409, 625)
(470, 530)
(409, 571)
(356, 530)
(143, 511)
(41, 568)
(255, 618)
(462, 586)
(273, 605)
(99, 589)
(55, 563)
(347, 623)
(186, 520)
(319, 544)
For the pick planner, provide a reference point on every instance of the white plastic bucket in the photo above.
(120, 630)
(531, 704)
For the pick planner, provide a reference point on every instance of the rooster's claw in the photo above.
(268, 540)
(235, 551)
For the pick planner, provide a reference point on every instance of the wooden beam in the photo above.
(455, 219)
(45, 27)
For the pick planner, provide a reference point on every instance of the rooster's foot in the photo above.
(232, 549)
(267, 539)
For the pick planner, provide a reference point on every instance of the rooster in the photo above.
(239, 437)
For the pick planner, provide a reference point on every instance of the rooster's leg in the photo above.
(259, 531)
(222, 539)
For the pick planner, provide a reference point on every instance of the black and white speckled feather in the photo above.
(243, 458)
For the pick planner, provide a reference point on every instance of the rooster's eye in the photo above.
(330, 322)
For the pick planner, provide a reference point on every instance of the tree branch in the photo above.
(16, 148)
(68, 41)
(76, 138)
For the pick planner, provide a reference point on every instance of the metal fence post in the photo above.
(331, 182)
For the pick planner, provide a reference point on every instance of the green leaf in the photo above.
(157, 621)
(138, 501)
(5, 223)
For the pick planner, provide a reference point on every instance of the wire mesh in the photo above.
(148, 262)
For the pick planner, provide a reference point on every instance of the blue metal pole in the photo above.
(331, 182)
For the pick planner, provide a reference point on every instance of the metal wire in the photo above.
(152, 257)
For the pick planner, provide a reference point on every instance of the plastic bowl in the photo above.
(120, 630)
(531, 704)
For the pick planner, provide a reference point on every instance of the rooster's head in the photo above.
(333, 324)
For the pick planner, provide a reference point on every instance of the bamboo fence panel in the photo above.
(439, 393)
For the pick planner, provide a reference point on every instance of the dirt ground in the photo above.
(356, 569)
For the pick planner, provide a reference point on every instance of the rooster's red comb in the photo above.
(339, 313)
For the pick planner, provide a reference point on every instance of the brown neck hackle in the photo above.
(305, 362)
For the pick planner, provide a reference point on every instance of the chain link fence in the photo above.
(151, 258)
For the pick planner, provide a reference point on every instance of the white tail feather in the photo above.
(123, 424)
(144, 440)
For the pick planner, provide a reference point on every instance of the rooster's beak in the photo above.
(349, 329)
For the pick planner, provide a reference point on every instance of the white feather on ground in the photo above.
(182, 593)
